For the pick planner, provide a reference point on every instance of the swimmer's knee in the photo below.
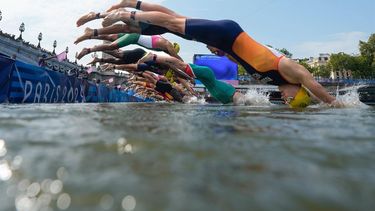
(176, 25)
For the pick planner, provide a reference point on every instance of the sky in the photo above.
(305, 28)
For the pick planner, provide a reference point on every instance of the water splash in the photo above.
(255, 97)
(350, 97)
(195, 100)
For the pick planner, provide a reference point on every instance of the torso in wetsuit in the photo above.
(259, 61)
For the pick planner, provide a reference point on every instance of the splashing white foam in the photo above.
(350, 99)
(254, 97)
(195, 100)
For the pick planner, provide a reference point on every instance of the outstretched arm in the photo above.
(182, 74)
(104, 47)
(297, 74)
(175, 64)
(187, 86)
(126, 67)
(172, 51)
(317, 89)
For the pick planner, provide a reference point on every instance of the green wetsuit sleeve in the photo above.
(127, 39)
(221, 91)
(120, 35)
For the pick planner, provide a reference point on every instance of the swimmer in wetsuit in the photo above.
(179, 76)
(259, 61)
(128, 27)
(122, 57)
(158, 82)
(154, 42)
(221, 91)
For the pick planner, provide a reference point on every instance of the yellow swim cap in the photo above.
(170, 75)
(301, 100)
(176, 47)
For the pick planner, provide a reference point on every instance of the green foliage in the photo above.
(342, 61)
(367, 50)
(241, 70)
(304, 63)
(362, 66)
(367, 58)
(285, 52)
(322, 71)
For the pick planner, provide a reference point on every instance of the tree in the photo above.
(367, 60)
(342, 61)
(308, 67)
(323, 71)
(285, 52)
(367, 50)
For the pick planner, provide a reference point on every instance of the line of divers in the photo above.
(168, 77)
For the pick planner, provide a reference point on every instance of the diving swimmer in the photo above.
(261, 62)
(153, 42)
(221, 91)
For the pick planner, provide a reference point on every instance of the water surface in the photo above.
(186, 157)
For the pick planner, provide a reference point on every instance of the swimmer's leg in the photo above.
(89, 34)
(93, 16)
(175, 24)
(178, 66)
(90, 17)
(111, 61)
(144, 6)
(116, 53)
(128, 39)
(221, 91)
(103, 47)
(164, 59)
(113, 29)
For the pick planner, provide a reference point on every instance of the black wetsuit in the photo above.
(149, 29)
(133, 56)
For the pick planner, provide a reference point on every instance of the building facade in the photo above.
(322, 60)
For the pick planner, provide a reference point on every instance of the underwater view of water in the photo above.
(186, 157)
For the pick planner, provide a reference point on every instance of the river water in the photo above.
(186, 157)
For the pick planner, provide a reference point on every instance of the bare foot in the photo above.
(107, 67)
(87, 18)
(94, 61)
(113, 18)
(88, 34)
(83, 53)
(122, 4)
(146, 58)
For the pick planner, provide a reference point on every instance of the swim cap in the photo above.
(301, 100)
(176, 47)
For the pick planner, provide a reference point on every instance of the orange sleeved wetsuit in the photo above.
(259, 61)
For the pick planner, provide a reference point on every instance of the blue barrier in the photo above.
(347, 81)
(223, 68)
(24, 83)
